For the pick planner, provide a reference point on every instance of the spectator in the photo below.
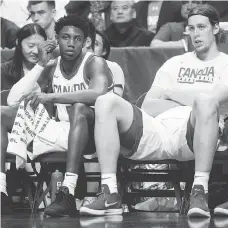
(174, 34)
(43, 13)
(222, 8)
(94, 10)
(8, 33)
(123, 32)
(25, 56)
(153, 14)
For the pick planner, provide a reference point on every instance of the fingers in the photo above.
(28, 98)
(48, 46)
(34, 102)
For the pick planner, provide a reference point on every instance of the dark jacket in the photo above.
(170, 12)
(133, 36)
(9, 76)
(8, 33)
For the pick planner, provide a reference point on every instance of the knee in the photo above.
(105, 103)
(78, 112)
(206, 106)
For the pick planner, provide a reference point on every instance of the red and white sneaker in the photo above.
(198, 203)
(105, 204)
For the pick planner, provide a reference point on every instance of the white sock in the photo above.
(110, 180)
(70, 181)
(201, 178)
(3, 183)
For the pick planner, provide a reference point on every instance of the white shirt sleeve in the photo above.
(25, 86)
(117, 73)
(164, 77)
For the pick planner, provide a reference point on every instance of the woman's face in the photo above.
(29, 47)
(98, 49)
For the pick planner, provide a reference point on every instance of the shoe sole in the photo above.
(89, 211)
(118, 211)
(54, 214)
(220, 211)
(197, 212)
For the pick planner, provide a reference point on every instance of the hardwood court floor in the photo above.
(134, 220)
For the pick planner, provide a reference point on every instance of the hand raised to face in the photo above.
(45, 51)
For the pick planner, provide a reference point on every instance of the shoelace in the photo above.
(200, 196)
(59, 196)
(101, 195)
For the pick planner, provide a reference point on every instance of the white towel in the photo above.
(27, 125)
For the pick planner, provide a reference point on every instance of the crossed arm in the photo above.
(159, 100)
(97, 71)
(30, 86)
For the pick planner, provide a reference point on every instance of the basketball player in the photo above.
(98, 44)
(77, 79)
(187, 91)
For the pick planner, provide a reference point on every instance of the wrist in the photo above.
(49, 97)
(41, 64)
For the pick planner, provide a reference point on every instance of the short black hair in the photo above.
(72, 20)
(91, 32)
(50, 3)
(106, 44)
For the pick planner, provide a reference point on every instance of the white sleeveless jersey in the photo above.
(63, 85)
(78, 82)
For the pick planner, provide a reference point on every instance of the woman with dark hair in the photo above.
(25, 56)
(104, 48)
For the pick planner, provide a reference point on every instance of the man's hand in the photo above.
(45, 51)
(36, 99)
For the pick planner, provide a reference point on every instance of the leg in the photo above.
(81, 119)
(81, 122)
(8, 115)
(114, 116)
(7, 119)
(204, 120)
(110, 121)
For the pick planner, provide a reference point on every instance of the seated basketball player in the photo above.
(187, 92)
(98, 44)
(77, 79)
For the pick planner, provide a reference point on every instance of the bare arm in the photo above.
(163, 39)
(167, 44)
(219, 91)
(118, 76)
(97, 71)
(155, 102)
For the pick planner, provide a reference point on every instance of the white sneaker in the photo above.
(88, 200)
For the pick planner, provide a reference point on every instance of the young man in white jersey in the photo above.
(178, 119)
(98, 44)
(77, 79)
